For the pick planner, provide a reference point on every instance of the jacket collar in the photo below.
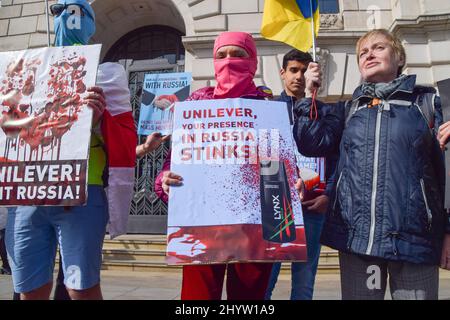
(285, 97)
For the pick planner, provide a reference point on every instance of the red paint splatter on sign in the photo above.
(41, 128)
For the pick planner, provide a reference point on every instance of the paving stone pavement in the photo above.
(120, 285)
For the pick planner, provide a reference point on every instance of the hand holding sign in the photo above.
(97, 101)
(170, 179)
(444, 135)
(300, 187)
(445, 257)
(318, 204)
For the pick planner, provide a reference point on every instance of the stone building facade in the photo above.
(423, 26)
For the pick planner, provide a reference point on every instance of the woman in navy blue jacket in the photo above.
(387, 216)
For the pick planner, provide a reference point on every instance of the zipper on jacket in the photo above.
(375, 177)
(394, 236)
(337, 189)
(292, 110)
(429, 215)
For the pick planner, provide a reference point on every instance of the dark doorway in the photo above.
(150, 49)
(150, 42)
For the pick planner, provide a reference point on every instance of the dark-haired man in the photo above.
(315, 200)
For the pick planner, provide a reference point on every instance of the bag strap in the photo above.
(425, 104)
(350, 111)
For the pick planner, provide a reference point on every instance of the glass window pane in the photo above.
(329, 6)
(147, 43)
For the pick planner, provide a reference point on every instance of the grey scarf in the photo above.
(382, 90)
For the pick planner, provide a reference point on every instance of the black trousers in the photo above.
(3, 254)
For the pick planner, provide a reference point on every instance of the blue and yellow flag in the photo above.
(289, 21)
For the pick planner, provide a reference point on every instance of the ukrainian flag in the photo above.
(289, 21)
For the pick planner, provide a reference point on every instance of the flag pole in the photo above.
(48, 23)
(313, 31)
(313, 112)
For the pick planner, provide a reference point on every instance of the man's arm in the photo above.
(318, 137)
(152, 142)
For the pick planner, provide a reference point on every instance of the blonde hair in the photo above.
(394, 42)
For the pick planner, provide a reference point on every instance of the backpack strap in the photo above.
(425, 104)
(423, 101)
(350, 110)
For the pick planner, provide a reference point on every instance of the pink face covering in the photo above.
(235, 75)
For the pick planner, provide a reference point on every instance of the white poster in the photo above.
(45, 128)
(238, 201)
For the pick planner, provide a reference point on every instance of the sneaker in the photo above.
(6, 271)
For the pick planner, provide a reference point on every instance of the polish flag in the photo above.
(120, 140)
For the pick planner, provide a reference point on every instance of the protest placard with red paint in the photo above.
(238, 202)
(45, 127)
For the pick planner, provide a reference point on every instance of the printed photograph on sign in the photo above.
(44, 124)
(159, 94)
(238, 201)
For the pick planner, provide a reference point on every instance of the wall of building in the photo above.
(424, 27)
(336, 40)
(23, 24)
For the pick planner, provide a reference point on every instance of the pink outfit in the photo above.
(246, 281)
(234, 79)
(206, 93)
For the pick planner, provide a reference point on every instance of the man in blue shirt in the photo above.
(315, 196)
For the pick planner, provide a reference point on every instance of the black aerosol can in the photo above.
(276, 205)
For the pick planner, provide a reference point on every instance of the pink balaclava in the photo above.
(235, 75)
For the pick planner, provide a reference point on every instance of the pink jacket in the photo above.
(203, 94)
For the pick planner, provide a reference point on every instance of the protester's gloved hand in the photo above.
(313, 78)
(97, 102)
(444, 134)
(164, 101)
(170, 179)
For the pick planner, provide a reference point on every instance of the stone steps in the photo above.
(147, 253)
(137, 242)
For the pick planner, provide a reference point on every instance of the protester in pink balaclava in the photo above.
(235, 63)
(234, 75)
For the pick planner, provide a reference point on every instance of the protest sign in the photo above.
(44, 125)
(444, 92)
(238, 202)
(159, 93)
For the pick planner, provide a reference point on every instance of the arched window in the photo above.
(149, 42)
(329, 6)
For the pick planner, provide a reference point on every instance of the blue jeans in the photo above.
(303, 273)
